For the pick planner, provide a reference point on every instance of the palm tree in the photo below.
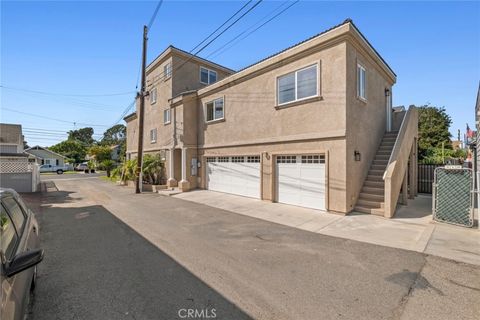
(152, 168)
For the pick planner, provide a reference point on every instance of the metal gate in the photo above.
(453, 195)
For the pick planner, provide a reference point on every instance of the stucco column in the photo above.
(171, 182)
(184, 184)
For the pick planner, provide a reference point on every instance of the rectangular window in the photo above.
(215, 110)
(207, 76)
(166, 116)
(15, 212)
(153, 96)
(153, 135)
(223, 159)
(238, 159)
(253, 159)
(298, 85)
(286, 159)
(361, 82)
(8, 235)
(313, 159)
(211, 159)
(167, 70)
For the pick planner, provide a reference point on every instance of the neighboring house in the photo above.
(115, 154)
(46, 156)
(310, 126)
(17, 168)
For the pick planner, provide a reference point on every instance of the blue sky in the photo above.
(93, 48)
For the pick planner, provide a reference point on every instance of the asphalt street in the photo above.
(111, 254)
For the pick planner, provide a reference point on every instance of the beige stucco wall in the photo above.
(254, 126)
(251, 116)
(366, 120)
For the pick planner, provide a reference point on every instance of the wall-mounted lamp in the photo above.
(387, 92)
(357, 155)
(266, 155)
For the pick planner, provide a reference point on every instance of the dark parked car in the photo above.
(19, 254)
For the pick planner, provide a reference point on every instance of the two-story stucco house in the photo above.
(309, 126)
(17, 167)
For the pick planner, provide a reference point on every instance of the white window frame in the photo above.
(206, 110)
(167, 70)
(317, 91)
(208, 72)
(361, 68)
(169, 112)
(153, 135)
(153, 96)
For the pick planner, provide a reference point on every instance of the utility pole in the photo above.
(138, 175)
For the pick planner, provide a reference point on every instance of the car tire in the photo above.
(59, 171)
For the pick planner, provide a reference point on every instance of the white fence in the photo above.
(19, 174)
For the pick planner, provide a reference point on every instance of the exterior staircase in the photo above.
(371, 199)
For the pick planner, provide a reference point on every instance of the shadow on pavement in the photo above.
(97, 267)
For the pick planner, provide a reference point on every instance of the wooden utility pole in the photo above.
(143, 91)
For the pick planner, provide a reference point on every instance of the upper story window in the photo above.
(167, 70)
(298, 85)
(215, 109)
(153, 96)
(166, 116)
(153, 135)
(207, 76)
(361, 82)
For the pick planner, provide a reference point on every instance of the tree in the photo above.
(83, 135)
(153, 168)
(107, 165)
(100, 153)
(71, 149)
(114, 135)
(433, 125)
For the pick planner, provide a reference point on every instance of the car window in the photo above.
(8, 235)
(16, 213)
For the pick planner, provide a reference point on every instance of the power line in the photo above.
(226, 21)
(226, 29)
(246, 30)
(68, 94)
(152, 19)
(54, 119)
(174, 68)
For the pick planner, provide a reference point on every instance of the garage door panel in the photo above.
(235, 177)
(301, 183)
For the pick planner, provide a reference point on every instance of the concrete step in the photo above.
(371, 197)
(370, 203)
(375, 178)
(380, 167)
(369, 210)
(385, 148)
(374, 184)
(380, 162)
(385, 157)
(374, 172)
(373, 190)
(387, 144)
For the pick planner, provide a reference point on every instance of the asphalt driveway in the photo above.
(111, 254)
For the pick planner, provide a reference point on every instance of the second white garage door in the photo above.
(301, 180)
(237, 175)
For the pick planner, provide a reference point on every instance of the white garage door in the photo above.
(301, 180)
(238, 175)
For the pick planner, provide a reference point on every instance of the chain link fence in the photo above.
(453, 196)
